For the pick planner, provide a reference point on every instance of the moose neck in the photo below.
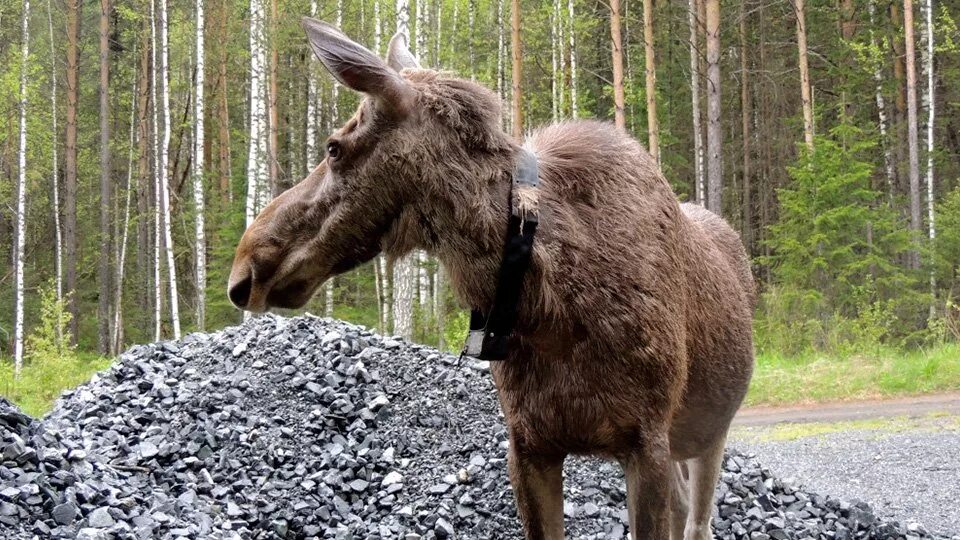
(466, 222)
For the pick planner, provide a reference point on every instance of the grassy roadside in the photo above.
(40, 383)
(776, 381)
(815, 378)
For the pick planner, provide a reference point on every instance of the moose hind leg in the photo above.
(649, 478)
(538, 488)
(679, 501)
(704, 471)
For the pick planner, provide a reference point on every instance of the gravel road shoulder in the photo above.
(908, 469)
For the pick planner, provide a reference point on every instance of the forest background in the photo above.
(138, 138)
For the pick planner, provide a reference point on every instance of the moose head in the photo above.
(423, 152)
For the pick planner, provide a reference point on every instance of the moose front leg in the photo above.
(538, 488)
(649, 489)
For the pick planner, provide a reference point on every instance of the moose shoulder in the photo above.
(634, 336)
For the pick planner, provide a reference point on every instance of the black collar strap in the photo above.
(489, 332)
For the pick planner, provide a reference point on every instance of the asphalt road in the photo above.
(907, 469)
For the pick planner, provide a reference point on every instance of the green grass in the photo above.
(40, 383)
(777, 380)
(780, 380)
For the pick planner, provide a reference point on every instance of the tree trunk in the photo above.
(517, 58)
(574, 108)
(55, 191)
(157, 178)
(404, 269)
(164, 172)
(21, 192)
(714, 131)
(106, 186)
(377, 23)
(223, 114)
(274, 143)
(143, 171)
(881, 109)
(501, 90)
(200, 243)
(805, 95)
(616, 36)
(745, 111)
(929, 100)
(117, 334)
(554, 83)
(257, 151)
(695, 75)
(70, 187)
(653, 126)
(912, 144)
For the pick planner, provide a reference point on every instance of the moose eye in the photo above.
(333, 149)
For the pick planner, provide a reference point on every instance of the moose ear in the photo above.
(399, 55)
(356, 67)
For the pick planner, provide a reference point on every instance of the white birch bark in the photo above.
(420, 38)
(257, 144)
(58, 232)
(200, 243)
(165, 184)
(912, 128)
(404, 271)
(573, 60)
(122, 247)
(701, 194)
(21, 192)
(881, 106)
(929, 100)
(157, 177)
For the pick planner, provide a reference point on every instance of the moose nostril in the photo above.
(240, 292)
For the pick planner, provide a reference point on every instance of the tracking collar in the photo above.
(490, 332)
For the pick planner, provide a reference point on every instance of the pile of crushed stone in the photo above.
(312, 428)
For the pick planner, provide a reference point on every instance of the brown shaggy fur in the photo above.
(634, 340)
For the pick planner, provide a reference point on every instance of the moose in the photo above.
(633, 331)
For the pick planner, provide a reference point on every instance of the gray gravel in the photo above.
(908, 470)
(309, 428)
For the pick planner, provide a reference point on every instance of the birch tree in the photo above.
(912, 143)
(745, 106)
(157, 178)
(55, 188)
(404, 268)
(200, 244)
(574, 107)
(21, 191)
(929, 100)
(714, 131)
(163, 171)
(616, 36)
(650, 71)
(257, 145)
(273, 119)
(121, 257)
(694, 22)
(805, 91)
(881, 104)
(106, 186)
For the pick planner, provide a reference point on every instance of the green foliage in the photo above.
(50, 338)
(835, 256)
